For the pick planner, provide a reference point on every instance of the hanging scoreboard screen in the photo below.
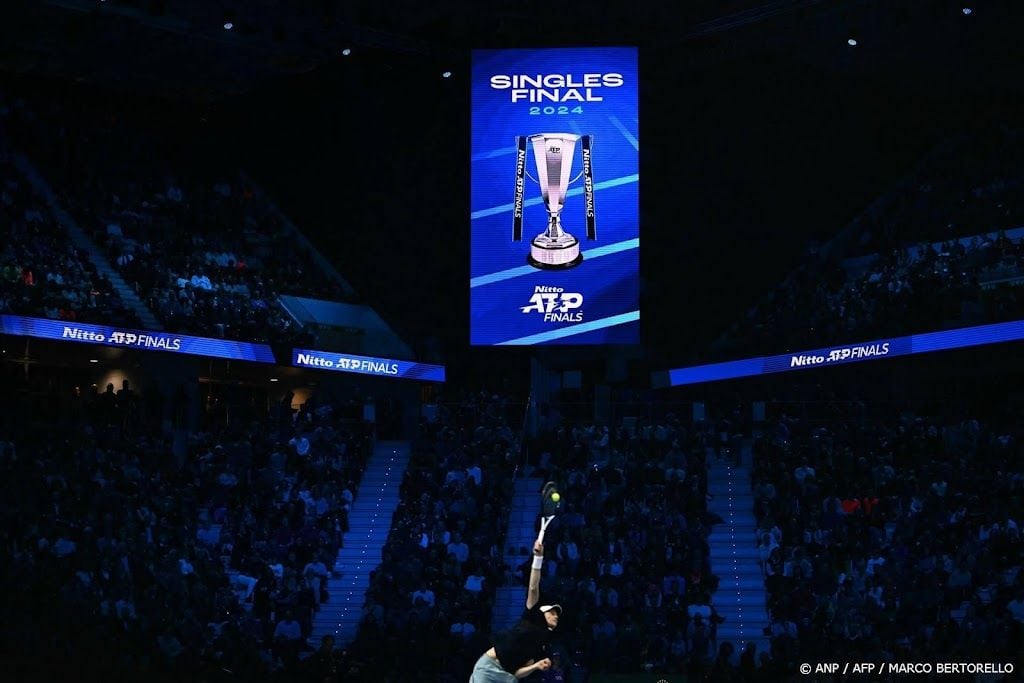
(555, 197)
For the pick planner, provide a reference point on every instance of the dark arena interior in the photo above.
(257, 258)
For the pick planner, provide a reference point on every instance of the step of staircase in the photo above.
(726, 553)
(734, 632)
(745, 616)
(753, 581)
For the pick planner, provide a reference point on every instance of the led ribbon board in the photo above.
(366, 365)
(135, 339)
(555, 197)
(849, 353)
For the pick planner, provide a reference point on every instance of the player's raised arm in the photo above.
(533, 592)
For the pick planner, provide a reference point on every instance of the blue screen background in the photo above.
(610, 284)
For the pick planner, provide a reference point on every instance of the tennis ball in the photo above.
(555, 497)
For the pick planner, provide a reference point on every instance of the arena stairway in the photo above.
(741, 596)
(510, 600)
(82, 241)
(369, 525)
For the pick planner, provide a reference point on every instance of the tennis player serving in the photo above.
(527, 647)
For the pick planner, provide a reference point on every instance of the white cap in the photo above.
(548, 608)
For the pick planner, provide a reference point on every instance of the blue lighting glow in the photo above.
(142, 340)
(846, 353)
(367, 365)
(568, 117)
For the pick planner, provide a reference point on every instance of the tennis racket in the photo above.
(551, 504)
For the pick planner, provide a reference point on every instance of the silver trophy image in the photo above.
(554, 249)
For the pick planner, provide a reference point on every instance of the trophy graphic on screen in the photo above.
(553, 153)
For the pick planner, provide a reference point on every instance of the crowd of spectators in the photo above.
(432, 597)
(970, 184)
(924, 288)
(141, 556)
(934, 256)
(891, 539)
(41, 274)
(628, 556)
(206, 254)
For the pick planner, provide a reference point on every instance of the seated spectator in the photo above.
(458, 548)
(288, 638)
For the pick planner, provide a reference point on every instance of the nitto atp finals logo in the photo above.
(556, 305)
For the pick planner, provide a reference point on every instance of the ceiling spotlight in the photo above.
(228, 26)
(93, 360)
(273, 379)
(851, 42)
(446, 74)
(967, 11)
(347, 51)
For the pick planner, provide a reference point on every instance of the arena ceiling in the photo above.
(180, 48)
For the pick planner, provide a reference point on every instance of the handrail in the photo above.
(524, 454)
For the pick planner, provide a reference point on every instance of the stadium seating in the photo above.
(890, 539)
(935, 255)
(143, 561)
(431, 597)
(205, 256)
(41, 274)
(631, 562)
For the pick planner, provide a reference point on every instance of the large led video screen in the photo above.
(554, 207)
